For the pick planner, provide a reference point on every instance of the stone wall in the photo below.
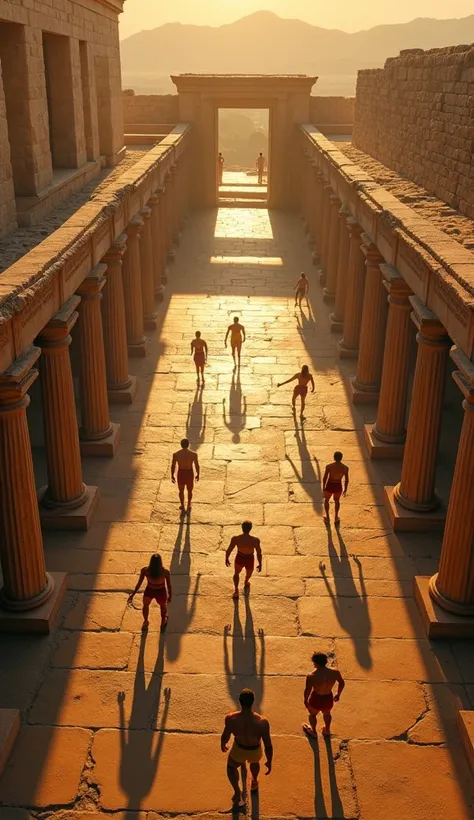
(150, 108)
(416, 115)
(332, 110)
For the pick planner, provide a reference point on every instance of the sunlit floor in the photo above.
(115, 720)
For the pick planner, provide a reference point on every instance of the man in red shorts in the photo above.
(318, 695)
(246, 545)
(187, 462)
(199, 351)
(334, 475)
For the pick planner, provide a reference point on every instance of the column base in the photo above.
(322, 279)
(381, 449)
(42, 618)
(403, 520)
(335, 325)
(328, 297)
(78, 518)
(102, 447)
(164, 276)
(137, 351)
(150, 321)
(316, 257)
(310, 240)
(9, 728)
(360, 396)
(159, 294)
(123, 395)
(171, 255)
(438, 622)
(466, 730)
(347, 352)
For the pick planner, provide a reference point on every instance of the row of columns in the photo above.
(111, 307)
(378, 315)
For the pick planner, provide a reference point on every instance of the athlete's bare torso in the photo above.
(198, 345)
(246, 544)
(337, 471)
(185, 459)
(322, 680)
(302, 285)
(247, 727)
(236, 331)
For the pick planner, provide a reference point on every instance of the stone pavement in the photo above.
(115, 721)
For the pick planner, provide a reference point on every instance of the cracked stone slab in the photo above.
(96, 612)
(392, 659)
(359, 617)
(94, 650)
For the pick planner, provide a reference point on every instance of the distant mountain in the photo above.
(266, 43)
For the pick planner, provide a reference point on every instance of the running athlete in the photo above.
(199, 348)
(302, 289)
(158, 588)
(332, 485)
(246, 545)
(318, 695)
(237, 337)
(187, 462)
(250, 730)
(304, 378)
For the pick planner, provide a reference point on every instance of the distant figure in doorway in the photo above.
(199, 349)
(334, 474)
(318, 696)
(220, 168)
(301, 290)
(304, 378)
(158, 588)
(260, 167)
(187, 462)
(250, 730)
(237, 337)
(247, 545)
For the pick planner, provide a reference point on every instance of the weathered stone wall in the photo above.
(332, 110)
(416, 115)
(150, 108)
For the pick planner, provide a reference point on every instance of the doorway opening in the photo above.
(243, 157)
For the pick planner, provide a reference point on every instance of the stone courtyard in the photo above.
(118, 721)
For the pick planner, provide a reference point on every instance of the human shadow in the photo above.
(310, 474)
(244, 656)
(183, 611)
(237, 418)
(196, 420)
(320, 809)
(351, 608)
(140, 751)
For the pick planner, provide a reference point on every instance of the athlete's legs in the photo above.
(233, 775)
(303, 403)
(190, 494)
(164, 614)
(327, 498)
(337, 505)
(327, 723)
(248, 575)
(146, 610)
(255, 771)
(181, 495)
(237, 571)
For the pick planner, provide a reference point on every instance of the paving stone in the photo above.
(315, 541)
(391, 659)
(96, 612)
(360, 617)
(207, 514)
(94, 650)
(191, 654)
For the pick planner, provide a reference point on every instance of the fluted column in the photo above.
(161, 192)
(386, 437)
(121, 387)
(319, 181)
(416, 488)
(168, 218)
(26, 584)
(154, 204)
(66, 502)
(312, 203)
(147, 271)
(98, 436)
(326, 222)
(132, 290)
(333, 249)
(349, 344)
(336, 319)
(366, 384)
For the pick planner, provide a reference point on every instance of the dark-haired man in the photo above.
(237, 338)
(250, 730)
(318, 695)
(247, 545)
(334, 475)
(187, 462)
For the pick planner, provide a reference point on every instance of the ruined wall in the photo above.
(150, 108)
(416, 115)
(332, 110)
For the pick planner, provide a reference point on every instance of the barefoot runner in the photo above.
(245, 559)
(199, 348)
(304, 378)
(318, 695)
(187, 462)
(158, 588)
(237, 337)
(250, 730)
(302, 289)
(334, 474)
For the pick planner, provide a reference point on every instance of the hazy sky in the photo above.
(348, 15)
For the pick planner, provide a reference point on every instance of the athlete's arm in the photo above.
(205, 348)
(258, 550)
(346, 476)
(227, 335)
(312, 384)
(325, 477)
(267, 743)
(307, 690)
(139, 583)
(226, 734)
(168, 584)
(288, 381)
(243, 331)
(196, 464)
(192, 347)
(229, 550)
(340, 685)
(173, 468)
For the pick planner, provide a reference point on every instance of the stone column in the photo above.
(121, 387)
(415, 492)
(385, 439)
(336, 319)
(326, 221)
(98, 436)
(318, 216)
(132, 290)
(147, 271)
(349, 344)
(66, 503)
(162, 234)
(168, 221)
(26, 584)
(365, 386)
(154, 205)
(333, 249)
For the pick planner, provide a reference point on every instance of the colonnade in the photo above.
(377, 315)
(112, 307)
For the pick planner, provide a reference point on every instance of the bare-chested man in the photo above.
(260, 167)
(334, 475)
(187, 462)
(301, 290)
(220, 168)
(199, 349)
(250, 730)
(318, 696)
(246, 545)
(237, 337)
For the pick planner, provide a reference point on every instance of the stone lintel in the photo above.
(438, 622)
(9, 728)
(38, 620)
(403, 520)
(18, 378)
(466, 728)
(381, 449)
(77, 518)
(94, 281)
(465, 377)
(104, 447)
(124, 395)
(117, 249)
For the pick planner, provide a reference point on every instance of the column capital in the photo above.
(134, 226)
(91, 286)
(344, 212)
(154, 199)
(18, 378)
(464, 377)
(353, 227)
(160, 190)
(145, 213)
(116, 250)
(398, 290)
(429, 327)
(56, 332)
(373, 257)
(334, 200)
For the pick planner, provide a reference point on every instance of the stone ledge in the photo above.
(403, 520)
(38, 620)
(437, 622)
(32, 209)
(466, 727)
(381, 449)
(9, 728)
